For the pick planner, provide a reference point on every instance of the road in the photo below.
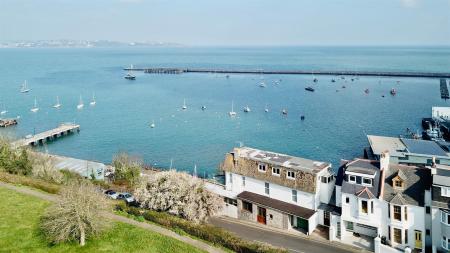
(292, 243)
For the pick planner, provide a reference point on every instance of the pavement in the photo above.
(118, 218)
(289, 241)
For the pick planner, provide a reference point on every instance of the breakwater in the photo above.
(168, 70)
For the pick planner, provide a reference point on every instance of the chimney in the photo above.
(384, 160)
(433, 162)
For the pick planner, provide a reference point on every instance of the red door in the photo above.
(261, 215)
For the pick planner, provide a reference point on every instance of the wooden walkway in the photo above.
(162, 70)
(444, 89)
(41, 138)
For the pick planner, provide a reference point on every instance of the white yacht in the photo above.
(152, 125)
(24, 88)
(247, 109)
(93, 102)
(266, 109)
(184, 107)
(35, 107)
(232, 112)
(80, 104)
(58, 104)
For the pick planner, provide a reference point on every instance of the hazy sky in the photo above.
(231, 22)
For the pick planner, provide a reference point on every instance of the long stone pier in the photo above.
(163, 70)
(41, 138)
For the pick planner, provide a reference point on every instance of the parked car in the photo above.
(126, 196)
(111, 194)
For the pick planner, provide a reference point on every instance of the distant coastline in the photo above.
(82, 44)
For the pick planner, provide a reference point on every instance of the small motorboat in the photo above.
(266, 109)
(302, 117)
(333, 81)
(366, 91)
(152, 125)
(284, 112)
(184, 107)
(393, 92)
(247, 109)
(262, 84)
(203, 107)
(315, 80)
(309, 89)
(343, 87)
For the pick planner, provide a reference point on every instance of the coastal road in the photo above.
(293, 243)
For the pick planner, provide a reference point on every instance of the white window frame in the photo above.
(290, 177)
(445, 218)
(361, 207)
(296, 195)
(445, 191)
(243, 181)
(350, 179)
(444, 243)
(366, 178)
(262, 165)
(267, 188)
(276, 169)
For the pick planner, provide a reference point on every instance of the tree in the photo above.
(14, 160)
(77, 215)
(178, 193)
(127, 169)
(44, 168)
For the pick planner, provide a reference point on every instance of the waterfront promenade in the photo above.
(169, 70)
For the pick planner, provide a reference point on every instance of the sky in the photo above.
(231, 22)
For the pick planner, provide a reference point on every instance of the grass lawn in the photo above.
(19, 232)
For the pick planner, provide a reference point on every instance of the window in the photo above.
(231, 178)
(275, 171)
(445, 243)
(398, 213)
(363, 206)
(389, 210)
(398, 184)
(427, 232)
(247, 206)
(243, 181)
(291, 175)
(371, 206)
(397, 235)
(445, 217)
(262, 167)
(427, 209)
(349, 226)
(347, 200)
(294, 195)
(445, 191)
(406, 213)
(406, 236)
(389, 233)
(230, 201)
(367, 181)
(352, 179)
(266, 187)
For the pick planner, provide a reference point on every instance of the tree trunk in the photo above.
(82, 237)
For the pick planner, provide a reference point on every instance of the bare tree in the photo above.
(77, 215)
(178, 193)
(44, 167)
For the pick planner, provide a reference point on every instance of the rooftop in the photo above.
(291, 162)
(368, 167)
(400, 147)
(442, 175)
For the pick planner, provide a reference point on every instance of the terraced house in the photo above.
(441, 208)
(279, 190)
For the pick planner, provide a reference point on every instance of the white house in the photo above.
(440, 208)
(279, 190)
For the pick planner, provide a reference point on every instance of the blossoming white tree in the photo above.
(178, 193)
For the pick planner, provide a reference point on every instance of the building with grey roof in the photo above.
(440, 213)
(406, 151)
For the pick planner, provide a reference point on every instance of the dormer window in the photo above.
(262, 167)
(290, 175)
(275, 171)
(367, 181)
(397, 182)
(352, 179)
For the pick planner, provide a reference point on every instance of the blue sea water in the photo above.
(335, 127)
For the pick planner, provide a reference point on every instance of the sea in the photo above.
(336, 121)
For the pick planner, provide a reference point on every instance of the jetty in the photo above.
(50, 135)
(444, 89)
(168, 70)
(8, 122)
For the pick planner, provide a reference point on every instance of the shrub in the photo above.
(178, 193)
(44, 168)
(77, 215)
(12, 160)
(127, 169)
(32, 182)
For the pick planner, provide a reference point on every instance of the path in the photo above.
(147, 226)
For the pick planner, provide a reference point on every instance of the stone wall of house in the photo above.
(304, 181)
(246, 215)
(275, 219)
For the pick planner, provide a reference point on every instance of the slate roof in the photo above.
(276, 204)
(442, 176)
(423, 147)
(415, 181)
(368, 167)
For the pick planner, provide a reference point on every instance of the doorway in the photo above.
(261, 217)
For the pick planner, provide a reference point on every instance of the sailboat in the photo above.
(35, 107)
(80, 104)
(232, 113)
(58, 104)
(152, 125)
(184, 107)
(129, 75)
(24, 88)
(93, 102)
